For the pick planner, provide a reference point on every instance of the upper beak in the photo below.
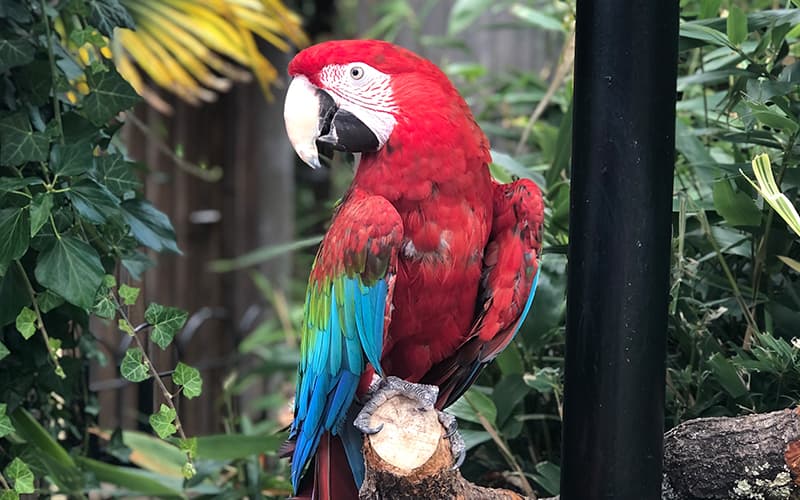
(311, 115)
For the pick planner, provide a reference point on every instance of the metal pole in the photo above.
(619, 252)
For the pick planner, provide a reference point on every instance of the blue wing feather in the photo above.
(344, 326)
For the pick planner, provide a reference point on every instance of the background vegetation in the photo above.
(70, 199)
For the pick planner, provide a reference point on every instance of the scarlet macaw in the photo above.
(429, 266)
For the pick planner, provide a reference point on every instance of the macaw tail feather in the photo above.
(332, 478)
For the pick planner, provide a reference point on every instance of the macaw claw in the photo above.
(425, 397)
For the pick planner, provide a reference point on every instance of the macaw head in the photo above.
(354, 95)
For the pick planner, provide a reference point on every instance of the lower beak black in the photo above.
(344, 131)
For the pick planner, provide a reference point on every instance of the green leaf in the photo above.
(736, 25)
(737, 208)
(709, 8)
(17, 183)
(125, 326)
(727, 376)
(71, 159)
(59, 465)
(132, 479)
(26, 322)
(189, 378)
(20, 474)
(109, 281)
(41, 206)
(794, 264)
(9, 495)
(104, 306)
(117, 175)
(49, 300)
(18, 143)
(166, 322)
(544, 380)
(3, 352)
(72, 268)
(93, 201)
(163, 421)
(149, 226)
(129, 294)
(473, 405)
(14, 52)
(536, 18)
(110, 95)
(188, 470)
(473, 438)
(6, 427)
(705, 34)
(13, 295)
(548, 475)
(189, 446)
(133, 367)
(226, 447)
(15, 228)
(108, 14)
(464, 13)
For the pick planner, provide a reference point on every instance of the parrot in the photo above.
(429, 265)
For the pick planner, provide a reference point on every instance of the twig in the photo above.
(40, 322)
(212, 174)
(561, 73)
(4, 482)
(53, 73)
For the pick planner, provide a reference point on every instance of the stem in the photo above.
(51, 57)
(561, 73)
(32, 293)
(212, 174)
(751, 323)
(3, 481)
(164, 391)
(505, 451)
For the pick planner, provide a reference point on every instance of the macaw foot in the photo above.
(425, 398)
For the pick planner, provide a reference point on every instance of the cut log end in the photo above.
(410, 458)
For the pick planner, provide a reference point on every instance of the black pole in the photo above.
(619, 252)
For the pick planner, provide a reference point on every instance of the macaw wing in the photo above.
(346, 311)
(510, 276)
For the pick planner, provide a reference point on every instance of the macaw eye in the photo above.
(356, 72)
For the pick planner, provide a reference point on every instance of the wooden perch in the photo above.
(749, 457)
(410, 458)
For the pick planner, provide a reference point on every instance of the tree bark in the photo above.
(410, 458)
(754, 456)
(731, 458)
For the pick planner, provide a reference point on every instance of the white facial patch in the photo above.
(365, 92)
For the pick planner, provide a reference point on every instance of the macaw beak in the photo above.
(311, 115)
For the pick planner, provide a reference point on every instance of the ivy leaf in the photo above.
(3, 352)
(49, 300)
(133, 367)
(20, 474)
(15, 183)
(20, 144)
(6, 427)
(163, 421)
(26, 322)
(13, 295)
(104, 306)
(9, 495)
(14, 52)
(189, 446)
(110, 95)
(149, 226)
(93, 200)
(129, 294)
(166, 322)
(73, 270)
(126, 327)
(117, 175)
(15, 228)
(41, 206)
(71, 159)
(136, 263)
(108, 14)
(188, 377)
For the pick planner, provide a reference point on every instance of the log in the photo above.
(748, 457)
(410, 458)
(754, 456)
